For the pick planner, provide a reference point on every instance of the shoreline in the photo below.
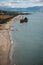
(5, 42)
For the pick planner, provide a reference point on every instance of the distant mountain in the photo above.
(35, 9)
(29, 9)
(41, 9)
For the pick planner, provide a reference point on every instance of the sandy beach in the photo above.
(5, 42)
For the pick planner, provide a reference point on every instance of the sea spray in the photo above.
(12, 47)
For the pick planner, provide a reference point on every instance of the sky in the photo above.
(21, 3)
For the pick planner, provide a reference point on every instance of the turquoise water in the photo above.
(28, 40)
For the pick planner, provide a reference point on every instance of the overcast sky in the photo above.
(21, 3)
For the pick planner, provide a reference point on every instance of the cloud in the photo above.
(21, 3)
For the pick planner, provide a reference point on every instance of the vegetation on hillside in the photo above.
(5, 16)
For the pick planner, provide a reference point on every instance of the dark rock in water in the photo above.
(24, 20)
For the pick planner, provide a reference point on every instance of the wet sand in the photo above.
(5, 42)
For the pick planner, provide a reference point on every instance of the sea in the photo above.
(28, 40)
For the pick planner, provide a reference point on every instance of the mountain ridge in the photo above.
(28, 9)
